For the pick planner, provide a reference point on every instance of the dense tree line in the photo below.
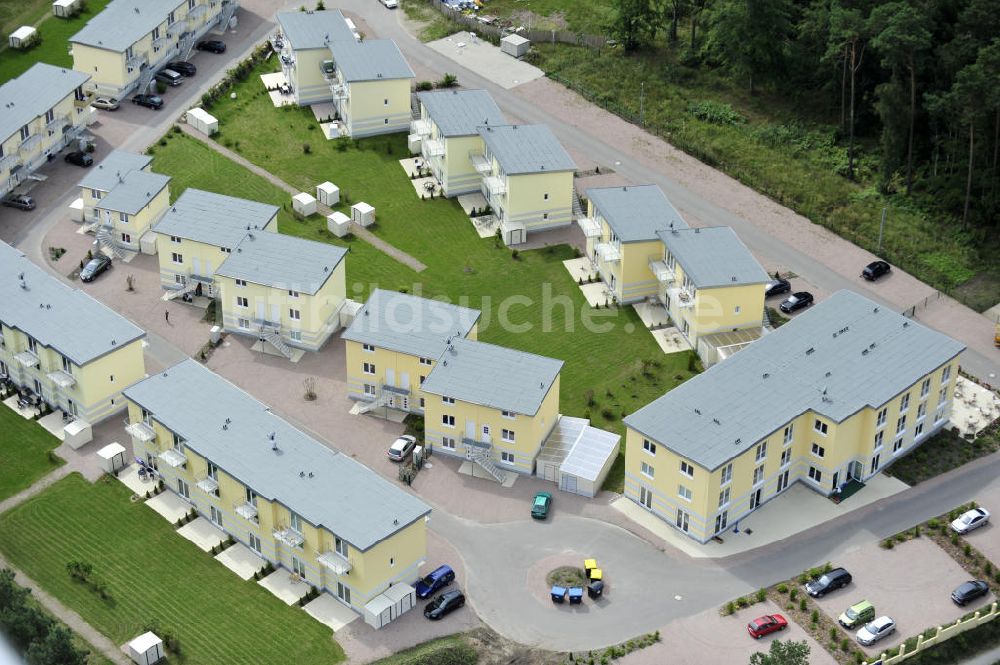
(31, 631)
(920, 76)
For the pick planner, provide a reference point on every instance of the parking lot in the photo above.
(986, 539)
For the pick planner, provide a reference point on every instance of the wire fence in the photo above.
(599, 100)
(496, 31)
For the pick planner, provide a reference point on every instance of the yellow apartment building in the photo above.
(107, 174)
(283, 290)
(199, 232)
(370, 85)
(126, 214)
(393, 344)
(832, 397)
(304, 39)
(289, 497)
(448, 129)
(73, 352)
(527, 179)
(123, 47)
(45, 110)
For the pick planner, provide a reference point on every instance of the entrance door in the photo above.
(390, 376)
(836, 480)
(195, 266)
(470, 429)
(875, 462)
(646, 497)
(343, 593)
(71, 407)
(298, 567)
(216, 515)
(261, 314)
(782, 481)
(183, 489)
(486, 434)
(755, 499)
(682, 520)
(276, 313)
(254, 542)
(404, 380)
(857, 470)
(568, 483)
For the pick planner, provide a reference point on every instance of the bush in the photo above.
(306, 148)
(833, 633)
(424, 86)
(793, 593)
(845, 644)
(802, 604)
(761, 595)
(967, 550)
(715, 113)
(742, 602)
(782, 588)
(814, 617)
(729, 608)
(888, 544)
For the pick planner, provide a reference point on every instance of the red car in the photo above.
(767, 624)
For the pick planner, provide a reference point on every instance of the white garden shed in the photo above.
(328, 193)
(23, 37)
(515, 45)
(77, 433)
(66, 8)
(203, 121)
(338, 224)
(146, 649)
(304, 204)
(362, 214)
(113, 457)
(390, 605)
(577, 456)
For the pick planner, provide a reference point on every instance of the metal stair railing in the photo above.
(274, 339)
(106, 240)
(483, 459)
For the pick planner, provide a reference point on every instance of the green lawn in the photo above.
(55, 33)
(941, 453)
(154, 575)
(24, 453)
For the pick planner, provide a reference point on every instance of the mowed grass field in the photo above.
(24, 453)
(154, 575)
(55, 33)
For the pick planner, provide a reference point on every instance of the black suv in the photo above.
(212, 46)
(875, 269)
(79, 158)
(969, 591)
(837, 578)
(149, 101)
(182, 67)
(777, 286)
(444, 604)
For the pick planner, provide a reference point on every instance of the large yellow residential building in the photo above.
(61, 344)
(395, 341)
(290, 498)
(527, 179)
(305, 39)
(127, 212)
(42, 111)
(370, 86)
(283, 290)
(199, 232)
(448, 128)
(107, 174)
(832, 397)
(123, 47)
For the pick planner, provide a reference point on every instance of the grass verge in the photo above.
(25, 453)
(54, 32)
(941, 453)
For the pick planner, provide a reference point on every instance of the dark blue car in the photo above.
(439, 578)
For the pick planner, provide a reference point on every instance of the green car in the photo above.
(857, 614)
(540, 506)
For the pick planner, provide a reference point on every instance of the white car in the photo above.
(971, 520)
(390, 4)
(401, 448)
(876, 630)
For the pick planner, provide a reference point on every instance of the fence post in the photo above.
(920, 642)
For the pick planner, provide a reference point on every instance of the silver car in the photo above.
(876, 630)
(105, 103)
(971, 520)
(401, 448)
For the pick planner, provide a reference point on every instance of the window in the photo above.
(295, 335)
(385, 102)
(925, 388)
(900, 425)
(545, 215)
(33, 345)
(426, 361)
(170, 18)
(727, 474)
(241, 282)
(226, 250)
(295, 522)
(820, 426)
(178, 443)
(241, 301)
(507, 435)
(50, 115)
(649, 447)
(368, 368)
(815, 474)
(942, 396)
(946, 374)
(786, 458)
(369, 389)
(448, 400)
(882, 415)
(724, 498)
(818, 450)
(25, 132)
(213, 471)
(251, 496)
(878, 440)
(789, 434)
(647, 470)
(293, 294)
(422, 379)
(294, 314)
(904, 403)
(177, 258)
(758, 475)
(448, 442)
(545, 196)
(508, 414)
(682, 520)
(127, 238)
(918, 430)
(687, 469)
(921, 411)
(368, 347)
(736, 310)
(67, 366)
(111, 378)
(761, 452)
(421, 399)
(175, 239)
(244, 324)
(684, 492)
(939, 413)
(340, 546)
(875, 463)
(782, 482)
(721, 520)
(506, 457)
(191, 4)
(386, 121)
(95, 193)
(447, 420)
(123, 218)
(897, 445)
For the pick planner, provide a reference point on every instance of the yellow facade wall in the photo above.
(525, 201)
(307, 77)
(128, 232)
(377, 107)
(454, 169)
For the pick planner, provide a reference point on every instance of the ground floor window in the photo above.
(646, 497)
(447, 442)
(721, 520)
(244, 324)
(370, 389)
(782, 481)
(344, 593)
(918, 431)
(875, 462)
(897, 445)
(298, 567)
(682, 520)
(295, 335)
(254, 542)
(506, 457)
(816, 474)
(216, 515)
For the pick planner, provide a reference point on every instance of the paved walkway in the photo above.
(324, 210)
(41, 484)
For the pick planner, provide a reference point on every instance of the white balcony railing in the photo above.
(208, 485)
(335, 562)
(141, 431)
(608, 252)
(136, 61)
(247, 511)
(496, 185)
(421, 127)
(27, 359)
(57, 123)
(28, 144)
(434, 147)
(175, 28)
(289, 536)
(339, 91)
(591, 227)
(481, 163)
(8, 162)
(196, 13)
(662, 272)
(172, 457)
(62, 379)
(682, 296)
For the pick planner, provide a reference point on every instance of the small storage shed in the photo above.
(146, 649)
(362, 214)
(390, 605)
(304, 204)
(413, 142)
(577, 456)
(513, 233)
(515, 45)
(76, 210)
(112, 457)
(338, 224)
(203, 121)
(77, 433)
(23, 37)
(328, 193)
(66, 8)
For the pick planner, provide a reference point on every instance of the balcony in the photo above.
(496, 186)
(247, 511)
(175, 28)
(84, 101)
(421, 127)
(682, 296)
(159, 43)
(591, 227)
(209, 485)
(136, 62)
(477, 443)
(335, 562)
(264, 325)
(141, 431)
(57, 123)
(339, 91)
(328, 69)
(8, 162)
(609, 253)
(62, 379)
(173, 458)
(663, 273)
(434, 147)
(27, 359)
(481, 163)
(395, 389)
(30, 143)
(289, 536)
(196, 13)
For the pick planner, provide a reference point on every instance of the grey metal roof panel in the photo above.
(214, 219)
(315, 29)
(281, 261)
(33, 93)
(461, 112)
(524, 149)
(57, 316)
(134, 192)
(842, 355)
(370, 60)
(636, 212)
(226, 425)
(589, 447)
(714, 256)
(109, 172)
(410, 324)
(493, 376)
(124, 22)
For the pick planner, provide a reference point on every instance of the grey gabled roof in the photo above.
(108, 173)
(493, 376)
(636, 212)
(842, 355)
(134, 192)
(461, 112)
(232, 429)
(283, 262)
(410, 324)
(713, 256)
(526, 149)
(123, 22)
(57, 316)
(214, 219)
(315, 29)
(33, 93)
(370, 60)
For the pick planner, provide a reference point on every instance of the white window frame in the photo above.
(506, 457)
(761, 453)
(294, 314)
(815, 475)
(758, 475)
(507, 435)
(368, 368)
(818, 450)
(724, 497)
(789, 435)
(649, 447)
(821, 427)
(684, 492)
(242, 301)
(687, 469)
(447, 420)
(727, 474)
(177, 258)
(647, 470)
(368, 348)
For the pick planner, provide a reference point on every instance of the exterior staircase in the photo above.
(229, 8)
(106, 241)
(274, 339)
(578, 209)
(189, 287)
(380, 401)
(145, 79)
(185, 46)
(481, 456)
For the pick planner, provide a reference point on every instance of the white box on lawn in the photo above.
(112, 457)
(77, 434)
(146, 649)
(203, 121)
(362, 214)
(304, 204)
(515, 45)
(328, 194)
(413, 142)
(76, 210)
(23, 37)
(338, 224)
(65, 8)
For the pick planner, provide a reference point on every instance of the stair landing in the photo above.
(266, 348)
(469, 468)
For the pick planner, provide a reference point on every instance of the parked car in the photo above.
(540, 506)
(149, 101)
(837, 578)
(183, 67)
(857, 614)
(875, 269)
(444, 604)
(969, 591)
(439, 578)
(971, 520)
(776, 287)
(390, 4)
(20, 201)
(79, 158)
(170, 77)
(94, 267)
(212, 46)
(876, 630)
(765, 625)
(105, 103)
(401, 448)
(796, 301)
